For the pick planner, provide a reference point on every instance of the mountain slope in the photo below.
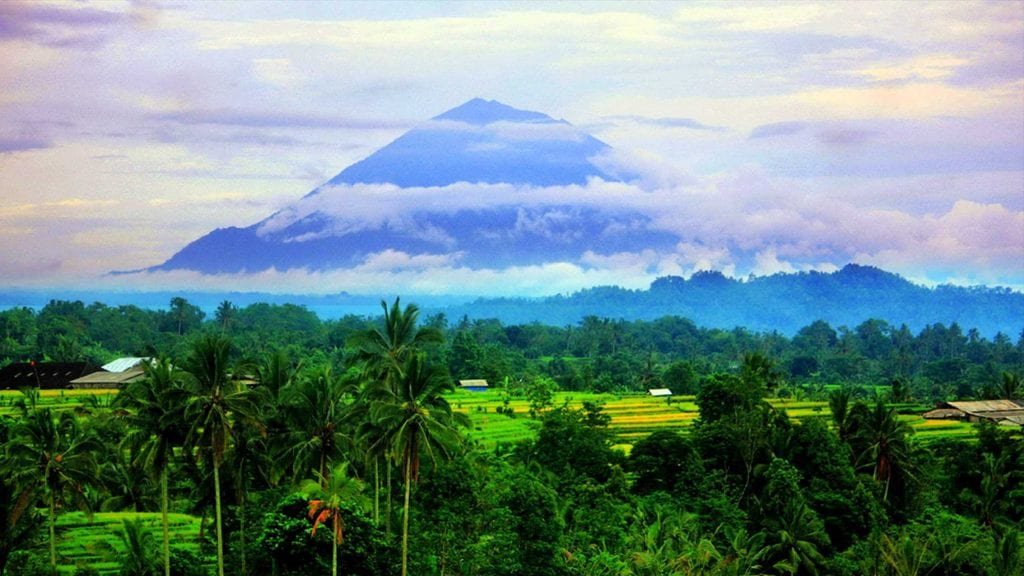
(482, 143)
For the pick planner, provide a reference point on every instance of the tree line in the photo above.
(939, 362)
(352, 461)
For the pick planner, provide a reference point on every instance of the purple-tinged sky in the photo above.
(798, 136)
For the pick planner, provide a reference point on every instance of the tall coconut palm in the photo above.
(327, 495)
(316, 437)
(216, 399)
(882, 438)
(416, 420)
(155, 411)
(1010, 387)
(52, 452)
(274, 377)
(385, 350)
(17, 515)
(839, 405)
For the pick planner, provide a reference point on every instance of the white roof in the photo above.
(473, 383)
(122, 364)
(659, 392)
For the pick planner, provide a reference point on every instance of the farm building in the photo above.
(43, 375)
(659, 392)
(1007, 412)
(113, 374)
(104, 379)
(473, 385)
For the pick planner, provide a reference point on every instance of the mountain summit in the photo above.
(483, 141)
(476, 163)
(483, 112)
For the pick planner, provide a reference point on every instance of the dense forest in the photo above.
(312, 447)
(783, 302)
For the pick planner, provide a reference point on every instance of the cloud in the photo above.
(743, 223)
(22, 143)
(58, 26)
(669, 122)
(273, 119)
(843, 136)
(778, 129)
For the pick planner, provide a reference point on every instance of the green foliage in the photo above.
(755, 486)
(572, 449)
(665, 461)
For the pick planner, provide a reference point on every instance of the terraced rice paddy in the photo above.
(635, 416)
(55, 399)
(93, 542)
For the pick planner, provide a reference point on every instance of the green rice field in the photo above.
(633, 416)
(94, 542)
(636, 416)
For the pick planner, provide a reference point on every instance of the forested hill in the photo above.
(782, 302)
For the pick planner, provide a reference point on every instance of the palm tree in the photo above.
(54, 453)
(225, 314)
(137, 550)
(839, 405)
(315, 409)
(326, 496)
(796, 541)
(385, 352)
(156, 418)
(882, 437)
(216, 399)
(416, 418)
(274, 378)
(17, 515)
(1010, 386)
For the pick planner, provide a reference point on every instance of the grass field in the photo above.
(636, 416)
(633, 416)
(95, 542)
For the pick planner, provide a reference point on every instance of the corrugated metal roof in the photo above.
(112, 378)
(122, 364)
(943, 414)
(659, 392)
(981, 406)
(473, 383)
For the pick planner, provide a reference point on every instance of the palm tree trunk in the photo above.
(387, 518)
(376, 490)
(53, 532)
(163, 513)
(334, 555)
(220, 528)
(405, 516)
(241, 534)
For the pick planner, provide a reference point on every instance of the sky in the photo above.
(770, 137)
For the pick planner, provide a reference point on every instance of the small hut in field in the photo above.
(1004, 412)
(474, 385)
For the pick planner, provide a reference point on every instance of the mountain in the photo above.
(489, 147)
(483, 141)
(781, 302)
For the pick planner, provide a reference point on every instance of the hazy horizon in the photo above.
(766, 137)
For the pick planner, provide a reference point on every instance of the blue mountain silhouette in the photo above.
(480, 142)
